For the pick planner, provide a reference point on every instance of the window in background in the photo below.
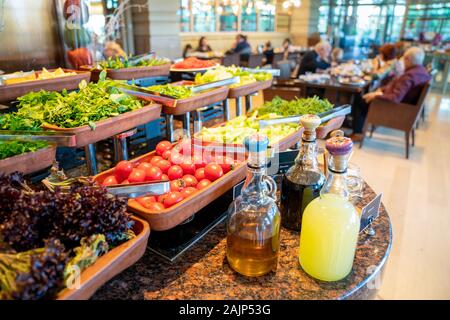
(204, 16)
(429, 18)
(228, 12)
(267, 10)
(185, 16)
(248, 16)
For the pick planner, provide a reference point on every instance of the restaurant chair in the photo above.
(277, 57)
(399, 116)
(285, 70)
(231, 59)
(255, 60)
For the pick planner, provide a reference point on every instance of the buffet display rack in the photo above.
(177, 214)
(106, 128)
(110, 264)
(13, 91)
(85, 136)
(29, 162)
(129, 73)
(247, 89)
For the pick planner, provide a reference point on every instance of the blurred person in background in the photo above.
(187, 51)
(268, 52)
(203, 45)
(385, 64)
(337, 56)
(113, 50)
(405, 89)
(287, 48)
(317, 59)
(242, 47)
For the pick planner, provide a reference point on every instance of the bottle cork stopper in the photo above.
(339, 146)
(310, 121)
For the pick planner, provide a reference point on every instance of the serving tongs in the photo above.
(58, 180)
(14, 75)
(168, 100)
(147, 95)
(215, 84)
(135, 190)
(273, 72)
(60, 138)
(136, 59)
(324, 116)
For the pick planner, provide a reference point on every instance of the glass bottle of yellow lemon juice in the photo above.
(331, 223)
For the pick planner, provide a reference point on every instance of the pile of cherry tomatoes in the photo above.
(194, 63)
(187, 171)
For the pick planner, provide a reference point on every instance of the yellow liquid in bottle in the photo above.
(329, 237)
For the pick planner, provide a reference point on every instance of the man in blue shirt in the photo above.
(242, 47)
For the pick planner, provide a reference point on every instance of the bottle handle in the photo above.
(272, 186)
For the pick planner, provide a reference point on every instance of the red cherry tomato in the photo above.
(173, 197)
(188, 166)
(161, 198)
(199, 161)
(200, 174)
(187, 192)
(226, 163)
(153, 174)
(155, 206)
(145, 201)
(190, 180)
(163, 146)
(203, 184)
(175, 172)
(177, 185)
(164, 177)
(123, 170)
(155, 159)
(184, 146)
(125, 182)
(164, 165)
(144, 166)
(110, 181)
(213, 171)
(137, 175)
(166, 154)
(175, 157)
(207, 157)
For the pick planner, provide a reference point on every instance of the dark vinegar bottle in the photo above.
(302, 182)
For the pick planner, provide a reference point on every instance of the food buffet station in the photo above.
(172, 223)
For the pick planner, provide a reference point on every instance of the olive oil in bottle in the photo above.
(253, 227)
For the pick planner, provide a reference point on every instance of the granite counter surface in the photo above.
(203, 271)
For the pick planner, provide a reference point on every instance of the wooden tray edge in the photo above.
(24, 157)
(103, 266)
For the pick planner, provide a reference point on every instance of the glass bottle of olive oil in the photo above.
(253, 218)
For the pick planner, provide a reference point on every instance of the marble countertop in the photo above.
(203, 271)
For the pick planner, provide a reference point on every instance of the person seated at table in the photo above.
(317, 59)
(187, 51)
(268, 52)
(337, 56)
(203, 45)
(405, 89)
(242, 47)
(287, 48)
(385, 64)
